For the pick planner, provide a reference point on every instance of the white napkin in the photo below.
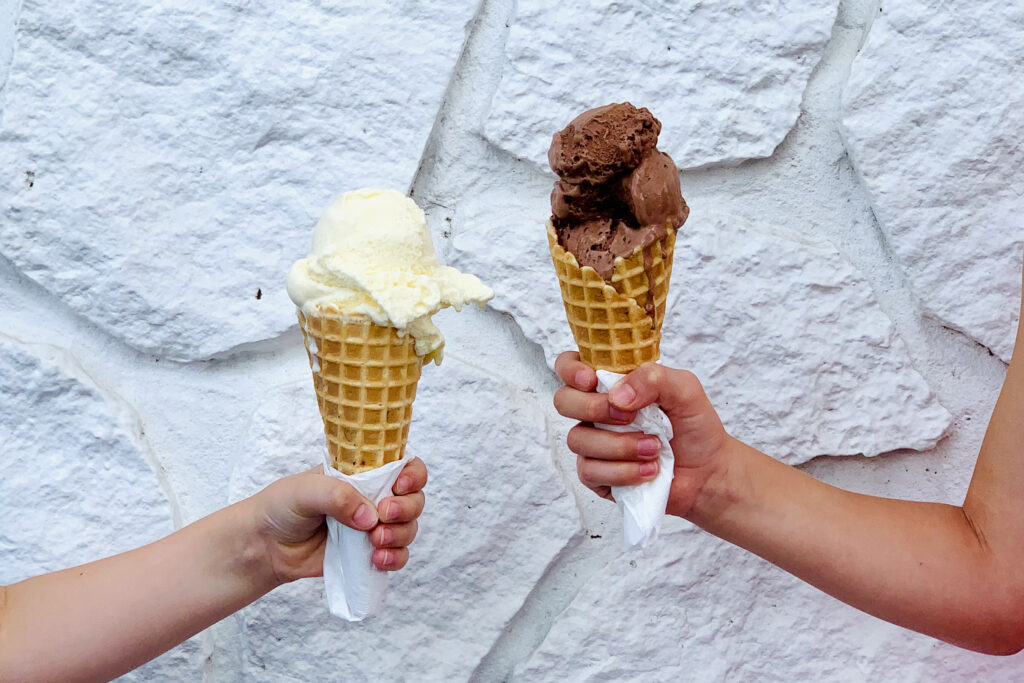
(643, 505)
(353, 586)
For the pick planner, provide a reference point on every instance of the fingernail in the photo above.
(391, 513)
(620, 415)
(364, 517)
(621, 394)
(648, 469)
(648, 447)
(582, 378)
(402, 485)
(386, 535)
(385, 557)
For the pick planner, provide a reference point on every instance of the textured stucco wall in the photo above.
(846, 286)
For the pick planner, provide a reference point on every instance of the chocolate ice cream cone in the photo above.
(616, 323)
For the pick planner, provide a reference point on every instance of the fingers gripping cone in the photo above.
(365, 376)
(609, 320)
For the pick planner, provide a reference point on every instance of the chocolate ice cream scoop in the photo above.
(602, 143)
(577, 201)
(652, 191)
(616, 192)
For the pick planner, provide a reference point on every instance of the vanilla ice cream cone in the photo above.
(365, 296)
(616, 323)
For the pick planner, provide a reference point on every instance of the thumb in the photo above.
(323, 495)
(679, 393)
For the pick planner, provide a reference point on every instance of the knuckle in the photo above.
(689, 385)
(593, 410)
(583, 471)
(561, 361)
(686, 377)
(418, 503)
(339, 499)
(560, 401)
(650, 373)
(574, 439)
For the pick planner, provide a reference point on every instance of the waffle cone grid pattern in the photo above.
(608, 320)
(365, 378)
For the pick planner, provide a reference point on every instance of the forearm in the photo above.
(919, 565)
(102, 619)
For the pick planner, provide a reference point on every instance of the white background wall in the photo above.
(847, 284)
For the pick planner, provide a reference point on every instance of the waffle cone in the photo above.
(365, 376)
(608, 319)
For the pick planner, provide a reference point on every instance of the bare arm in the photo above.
(951, 572)
(102, 619)
(99, 620)
(924, 566)
(954, 573)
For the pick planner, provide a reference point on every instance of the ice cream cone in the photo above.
(614, 326)
(365, 376)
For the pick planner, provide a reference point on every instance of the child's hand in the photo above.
(290, 516)
(607, 459)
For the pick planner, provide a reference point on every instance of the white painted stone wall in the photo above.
(847, 284)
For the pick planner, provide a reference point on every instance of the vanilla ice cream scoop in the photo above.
(372, 256)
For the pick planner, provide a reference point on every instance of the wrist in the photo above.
(253, 562)
(723, 486)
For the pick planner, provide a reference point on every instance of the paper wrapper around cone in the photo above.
(608, 319)
(365, 376)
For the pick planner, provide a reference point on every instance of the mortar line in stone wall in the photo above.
(74, 367)
(565, 467)
(15, 19)
(558, 585)
(479, 368)
(141, 442)
(553, 593)
(503, 381)
(430, 146)
(891, 262)
(252, 351)
(474, 75)
(925, 321)
(56, 306)
(850, 158)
